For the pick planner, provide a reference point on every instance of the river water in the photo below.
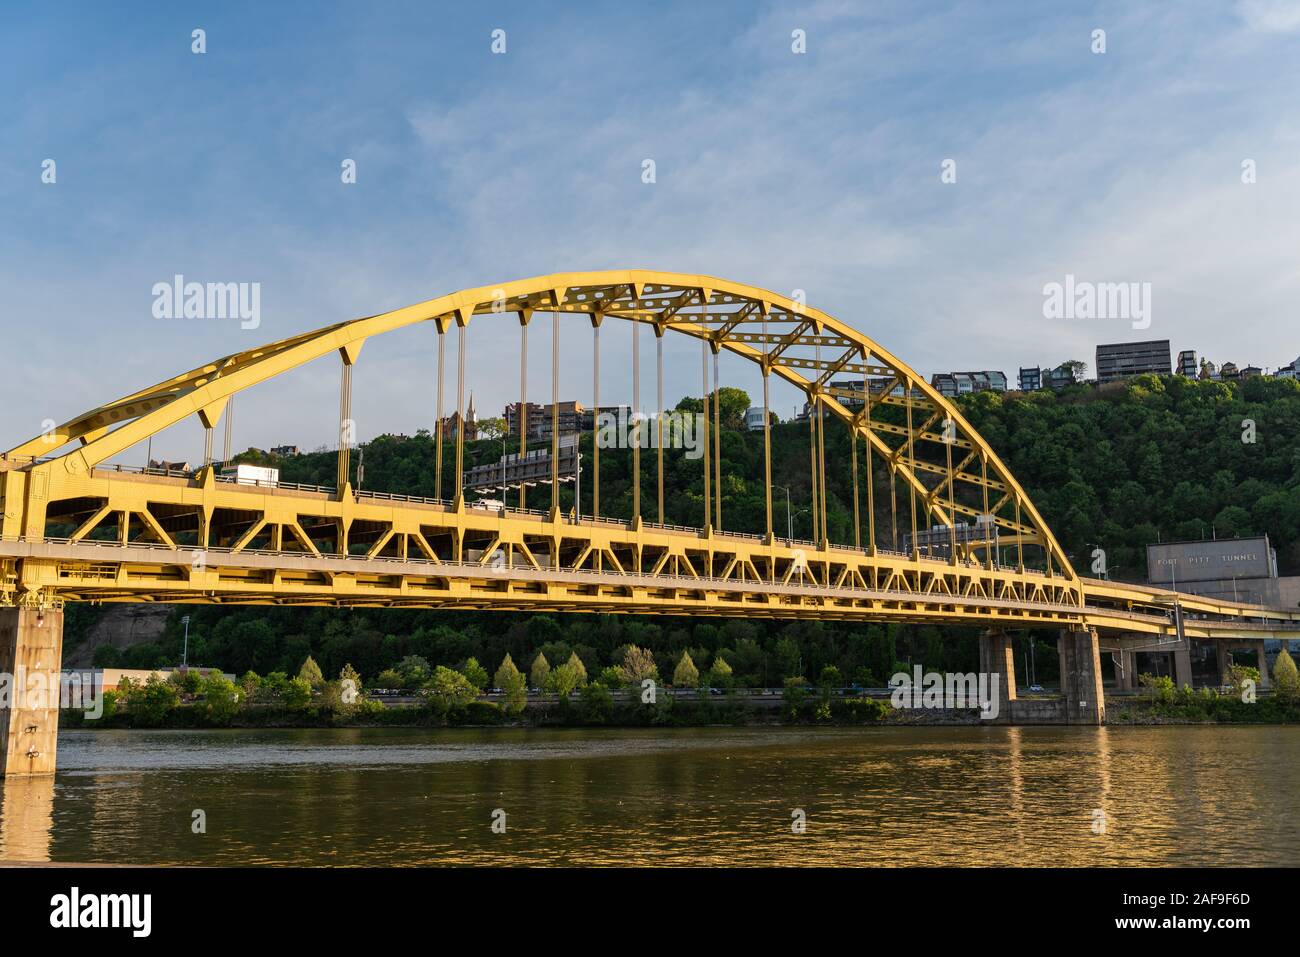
(865, 797)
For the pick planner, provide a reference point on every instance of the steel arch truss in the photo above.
(929, 448)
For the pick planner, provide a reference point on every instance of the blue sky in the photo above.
(818, 172)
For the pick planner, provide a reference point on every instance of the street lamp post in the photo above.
(577, 491)
(185, 649)
(1105, 569)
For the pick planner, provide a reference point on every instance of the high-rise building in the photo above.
(1031, 378)
(1119, 360)
(1187, 363)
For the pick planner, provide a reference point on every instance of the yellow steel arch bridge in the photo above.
(75, 528)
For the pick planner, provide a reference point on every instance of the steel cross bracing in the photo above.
(197, 538)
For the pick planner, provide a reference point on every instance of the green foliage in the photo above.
(686, 675)
(719, 674)
(451, 687)
(151, 704)
(1161, 688)
(275, 684)
(339, 700)
(793, 697)
(106, 656)
(505, 672)
(540, 673)
(415, 670)
(595, 703)
(1286, 681)
(1239, 675)
(111, 699)
(578, 667)
(297, 694)
(563, 680)
(732, 404)
(475, 673)
(221, 698)
(516, 692)
(311, 673)
(637, 665)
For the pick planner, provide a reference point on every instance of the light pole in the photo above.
(1105, 569)
(577, 491)
(185, 650)
(503, 470)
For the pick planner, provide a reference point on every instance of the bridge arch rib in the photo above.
(932, 449)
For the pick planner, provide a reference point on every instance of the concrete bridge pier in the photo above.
(31, 653)
(1182, 655)
(1264, 680)
(1083, 700)
(1125, 661)
(1223, 652)
(1223, 655)
(997, 657)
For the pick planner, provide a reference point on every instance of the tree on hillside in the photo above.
(509, 679)
(1286, 680)
(638, 664)
(539, 672)
(563, 680)
(491, 428)
(732, 405)
(475, 672)
(451, 688)
(504, 671)
(719, 675)
(579, 668)
(310, 672)
(686, 675)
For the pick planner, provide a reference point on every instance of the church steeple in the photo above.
(470, 417)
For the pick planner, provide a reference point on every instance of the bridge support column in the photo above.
(1223, 655)
(31, 650)
(997, 657)
(1183, 664)
(1264, 680)
(1084, 700)
(1125, 669)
